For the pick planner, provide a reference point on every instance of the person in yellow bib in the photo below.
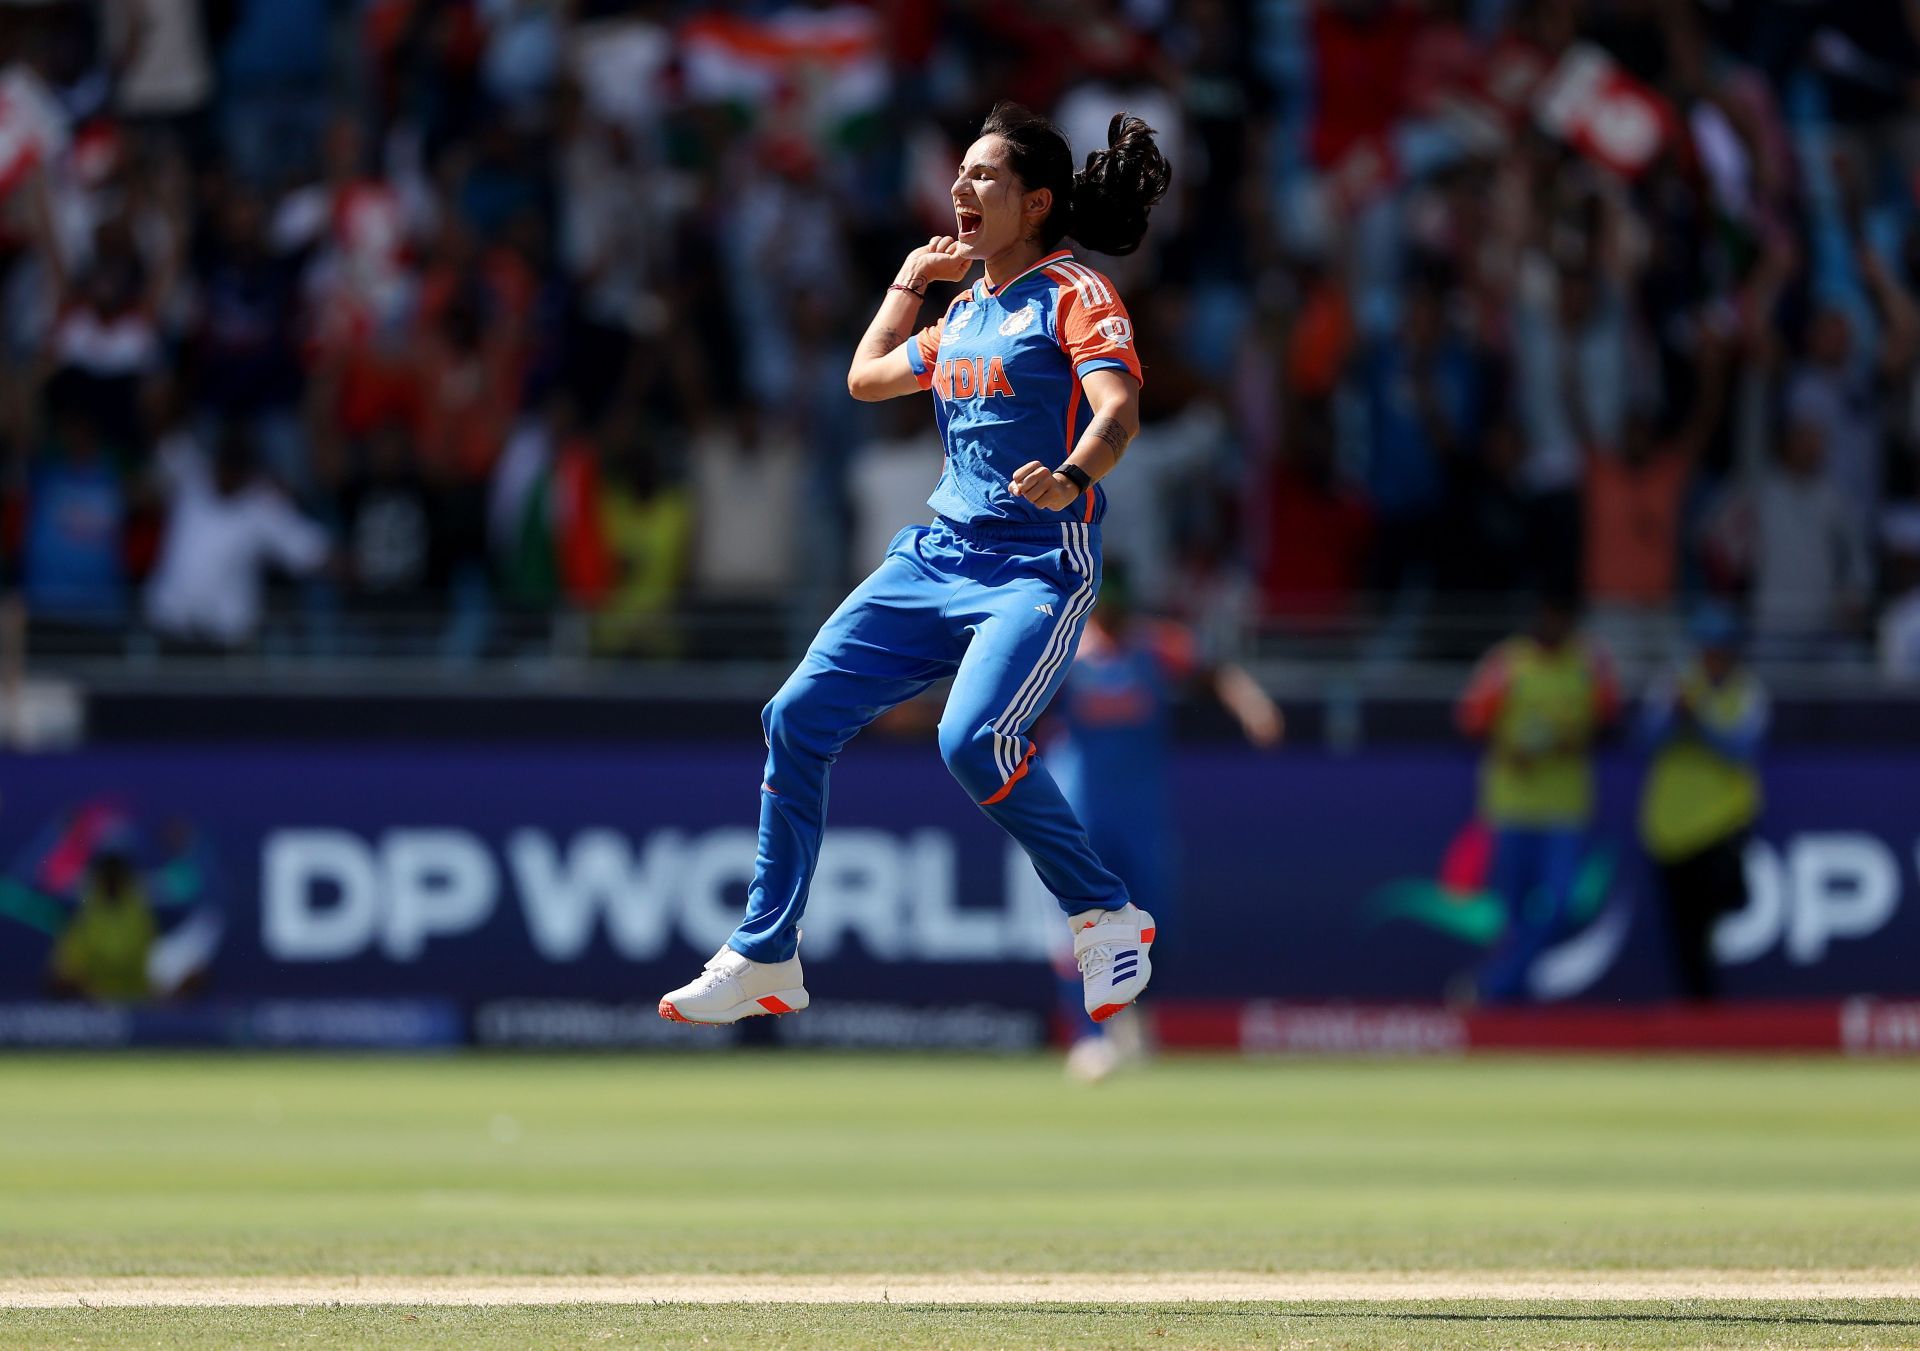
(1540, 701)
(1705, 727)
(102, 952)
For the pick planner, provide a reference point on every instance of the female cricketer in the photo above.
(1036, 386)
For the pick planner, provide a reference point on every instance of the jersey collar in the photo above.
(981, 290)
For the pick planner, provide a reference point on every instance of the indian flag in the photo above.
(828, 65)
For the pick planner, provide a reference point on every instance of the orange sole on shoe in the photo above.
(772, 1004)
(1105, 1011)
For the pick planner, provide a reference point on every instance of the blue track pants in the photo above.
(1000, 609)
(1534, 870)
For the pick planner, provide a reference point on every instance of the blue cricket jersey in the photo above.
(1116, 715)
(1005, 366)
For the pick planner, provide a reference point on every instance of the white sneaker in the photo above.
(1131, 1033)
(1092, 1059)
(734, 987)
(1111, 948)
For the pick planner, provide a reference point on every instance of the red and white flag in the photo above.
(1593, 105)
(831, 63)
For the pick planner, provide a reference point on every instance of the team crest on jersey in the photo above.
(1116, 331)
(1019, 322)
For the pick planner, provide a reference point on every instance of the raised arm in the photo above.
(1252, 707)
(1479, 706)
(881, 368)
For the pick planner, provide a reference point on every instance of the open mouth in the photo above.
(967, 220)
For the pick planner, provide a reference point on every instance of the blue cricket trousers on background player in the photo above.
(1534, 870)
(999, 607)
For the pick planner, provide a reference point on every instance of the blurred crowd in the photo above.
(399, 322)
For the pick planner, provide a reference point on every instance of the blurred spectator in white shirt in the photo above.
(746, 486)
(621, 62)
(158, 49)
(1833, 389)
(890, 478)
(1803, 546)
(226, 526)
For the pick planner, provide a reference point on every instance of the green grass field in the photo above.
(1429, 1326)
(817, 1165)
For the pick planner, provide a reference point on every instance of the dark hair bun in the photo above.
(1118, 187)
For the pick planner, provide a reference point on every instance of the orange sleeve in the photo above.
(1091, 324)
(1480, 704)
(925, 350)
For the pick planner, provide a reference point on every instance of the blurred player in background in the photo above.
(1540, 701)
(1110, 758)
(1705, 727)
(1037, 391)
(103, 951)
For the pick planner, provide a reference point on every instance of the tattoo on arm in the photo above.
(1110, 431)
(879, 343)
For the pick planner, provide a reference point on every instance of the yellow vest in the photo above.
(103, 949)
(1551, 701)
(1696, 797)
(650, 541)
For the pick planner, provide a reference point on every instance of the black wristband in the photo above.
(1077, 476)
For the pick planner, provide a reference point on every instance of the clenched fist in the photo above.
(942, 258)
(1044, 488)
